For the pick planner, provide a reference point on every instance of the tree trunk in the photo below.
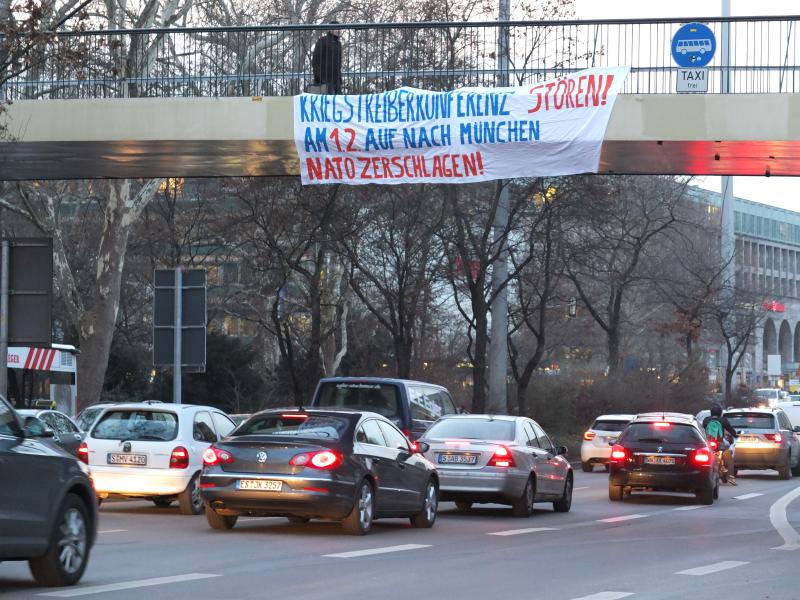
(613, 344)
(402, 352)
(479, 382)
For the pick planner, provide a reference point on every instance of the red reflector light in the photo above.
(702, 457)
(315, 489)
(179, 459)
(501, 458)
(589, 436)
(83, 453)
(294, 416)
(207, 485)
(618, 452)
(325, 459)
(215, 456)
(662, 424)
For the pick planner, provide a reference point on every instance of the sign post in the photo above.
(4, 263)
(693, 47)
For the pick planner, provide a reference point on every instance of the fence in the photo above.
(275, 60)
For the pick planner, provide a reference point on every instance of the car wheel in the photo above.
(522, 507)
(463, 505)
(425, 518)
(359, 521)
(298, 520)
(163, 502)
(615, 493)
(796, 469)
(785, 472)
(68, 554)
(218, 521)
(705, 496)
(564, 503)
(587, 467)
(189, 500)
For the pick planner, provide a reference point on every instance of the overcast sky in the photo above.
(778, 191)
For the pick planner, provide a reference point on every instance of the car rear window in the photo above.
(472, 429)
(648, 432)
(137, 426)
(751, 421)
(381, 398)
(300, 425)
(606, 425)
(87, 417)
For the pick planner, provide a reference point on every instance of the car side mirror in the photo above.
(420, 447)
(797, 429)
(561, 451)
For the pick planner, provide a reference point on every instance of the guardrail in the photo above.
(764, 57)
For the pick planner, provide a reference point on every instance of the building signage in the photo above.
(773, 306)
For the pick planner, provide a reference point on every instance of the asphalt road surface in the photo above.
(745, 546)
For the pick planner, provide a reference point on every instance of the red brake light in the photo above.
(83, 453)
(179, 459)
(325, 459)
(774, 437)
(501, 458)
(702, 457)
(713, 444)
(618, 452)
(589, 436)
(301, 416)
(215, 456)
(414, 447)
(662, 424)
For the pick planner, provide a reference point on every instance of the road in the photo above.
(648, 547)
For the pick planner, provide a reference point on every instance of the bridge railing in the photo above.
(764, 57)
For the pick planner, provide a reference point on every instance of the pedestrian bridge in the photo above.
(218, 101)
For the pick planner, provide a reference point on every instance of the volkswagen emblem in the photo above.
(261, 457)
(126, 447)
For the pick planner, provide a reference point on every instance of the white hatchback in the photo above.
(153, 451)
(595, 448)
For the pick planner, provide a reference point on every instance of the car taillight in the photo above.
(414, 447)
(501, 458)
(324, 459)
(775, 437)
(702, 457)
(713, 444)
(589, 436)
(179, 459)
(215, 456)
(662, 424)
(618, 452)
(83, 453)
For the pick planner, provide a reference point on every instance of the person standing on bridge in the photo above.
(327, 62)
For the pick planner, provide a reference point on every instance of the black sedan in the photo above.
(348, 466)
(663, 451)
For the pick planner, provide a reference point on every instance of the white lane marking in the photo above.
(747, 496)
(112, 530)
(370, 552)
(128, 585)
(521, 531)
(583, 487)
(623, 518)
(714, 568)
(606, 596)
(692, 507)
(777, 516)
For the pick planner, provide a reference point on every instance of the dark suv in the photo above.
(663, 451)
(48, 510)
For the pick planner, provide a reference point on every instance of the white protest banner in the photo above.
(473, 134)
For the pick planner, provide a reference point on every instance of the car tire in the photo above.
(784, 471)
(705, 496)
(522, 507)
(615, 493)
(796, 469)
(68, 554)
(425, 518)
(298, 520)
(463, 505)
(218, 521)
(587, 467)
(359, 521)
(189, 500)
(564, 503)
(163, 502)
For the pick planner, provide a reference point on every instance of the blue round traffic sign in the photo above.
(693, 45)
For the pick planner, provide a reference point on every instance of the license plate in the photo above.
(458, 459)
(659, 460)
(266, 485)
(115, 458)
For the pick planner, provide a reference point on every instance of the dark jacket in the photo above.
(726, 425)
(327, 63)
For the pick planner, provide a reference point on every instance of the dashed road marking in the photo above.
(777, 516)
(112, 530)
(692, 507)
(622, 518)
(521, 531)
(606, 596)
(371, 551)
(747, 496)
(713, 568)
(127, 585)
(583, 487)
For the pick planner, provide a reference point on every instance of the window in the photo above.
(370, 433)
(295, 425)
(50, 421)
(783, 420)
(380, 398)
(204, 428)
(473, 428)
(544, 441)
(223, 424)
(604, 425)
(87, 417)
(8, 423)
(676, 433)
(443, 401)
(62, 424)
(394, 439)
(423, 404)
(137, 426)
(531, 435)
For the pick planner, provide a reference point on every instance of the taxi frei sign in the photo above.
(409, 135)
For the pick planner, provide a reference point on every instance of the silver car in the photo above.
(499, 459)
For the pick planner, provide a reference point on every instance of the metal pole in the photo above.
(498, 346)
(5, 261)
(177, 358)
